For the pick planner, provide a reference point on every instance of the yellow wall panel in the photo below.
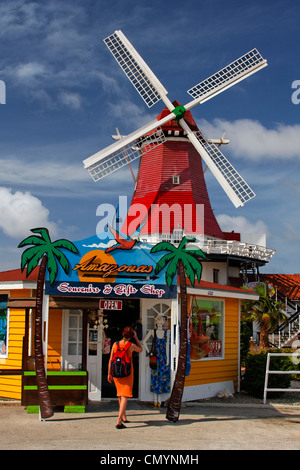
(10, 386)
(54, 340)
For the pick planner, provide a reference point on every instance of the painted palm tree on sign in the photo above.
(48, 253)
(186, 263)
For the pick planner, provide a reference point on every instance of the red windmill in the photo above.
(170, 188)
(170, 171)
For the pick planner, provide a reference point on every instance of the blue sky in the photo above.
(65, 96)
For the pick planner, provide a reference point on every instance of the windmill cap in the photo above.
(172, 125)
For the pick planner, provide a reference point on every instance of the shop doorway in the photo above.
(72, 350)
(116, 320)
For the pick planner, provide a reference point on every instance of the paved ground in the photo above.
(200, 427)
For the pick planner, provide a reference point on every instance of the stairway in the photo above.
(286, 336)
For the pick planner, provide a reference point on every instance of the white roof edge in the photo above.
(17, 285)
(222, 293)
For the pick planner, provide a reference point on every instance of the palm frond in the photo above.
(171, 271)
(32, 240)
(62, 259)
(66, 244)
(34, 261)
(163, 262)
(28, 254)
(44, 232)
(43, 245)
(163, 246)
(197, 268)
(189, 271)
(196, 252)
(52, 267)
(192, 266)
(184, 241)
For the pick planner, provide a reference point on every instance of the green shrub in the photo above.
(245, 336)
(254, 379)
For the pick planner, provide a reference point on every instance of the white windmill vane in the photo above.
(141, 141)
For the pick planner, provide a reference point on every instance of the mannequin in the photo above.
(160, 378)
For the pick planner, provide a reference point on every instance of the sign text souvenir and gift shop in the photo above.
(99, 273)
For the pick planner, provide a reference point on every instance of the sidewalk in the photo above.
(202, 426)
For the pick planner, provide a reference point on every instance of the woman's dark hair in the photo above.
(128, 332)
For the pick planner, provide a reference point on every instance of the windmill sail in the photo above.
(228, 76)
(233, 178)
(199, 144)
(124, 154)
(151, 90)
(136, 70)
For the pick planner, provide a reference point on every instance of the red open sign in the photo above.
(110, 304)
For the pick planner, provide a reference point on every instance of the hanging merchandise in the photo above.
(106, 344)
(188, 350)
(152, 355)
(160, 377)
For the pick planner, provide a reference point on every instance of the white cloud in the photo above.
(46, 173)
(136, 115)
(250, 139)
(241, 225)
(17, 18)
(20, 212)
(291, 233)
(71, 100)
(29, 70)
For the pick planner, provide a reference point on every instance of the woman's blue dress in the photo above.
(160, 378)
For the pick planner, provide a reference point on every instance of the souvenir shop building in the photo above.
(85, 311)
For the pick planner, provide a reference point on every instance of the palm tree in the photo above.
(46, 251)
(267, 312)
(186, 262)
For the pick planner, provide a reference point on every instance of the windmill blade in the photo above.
(119, 153)
(231, 181)
(116, 156)
(228, 76)
(234, 179)
(136, 70)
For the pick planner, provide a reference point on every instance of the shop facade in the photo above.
(107, 288)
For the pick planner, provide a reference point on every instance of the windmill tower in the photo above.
(172, 149)
(171, 189)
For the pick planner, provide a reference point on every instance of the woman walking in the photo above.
(124, 385)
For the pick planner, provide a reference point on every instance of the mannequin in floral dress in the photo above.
(160, 378)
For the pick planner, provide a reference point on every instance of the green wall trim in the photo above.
(58, 387)
(74, 409)
(58, 372)
(33, 409)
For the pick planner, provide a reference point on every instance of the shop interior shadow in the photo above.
(116, 321)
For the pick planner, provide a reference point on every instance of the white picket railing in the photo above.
(296, 354)
(218, 246)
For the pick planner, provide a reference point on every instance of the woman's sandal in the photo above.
(120, 426)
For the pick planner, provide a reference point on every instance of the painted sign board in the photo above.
(103, 268)
(110, 304)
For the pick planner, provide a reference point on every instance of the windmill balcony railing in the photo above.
(218, 246)
(236, 248)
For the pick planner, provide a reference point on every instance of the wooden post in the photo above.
(84, 338)
(25, 341)
(85, 315)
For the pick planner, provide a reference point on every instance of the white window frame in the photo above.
(213, 299)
